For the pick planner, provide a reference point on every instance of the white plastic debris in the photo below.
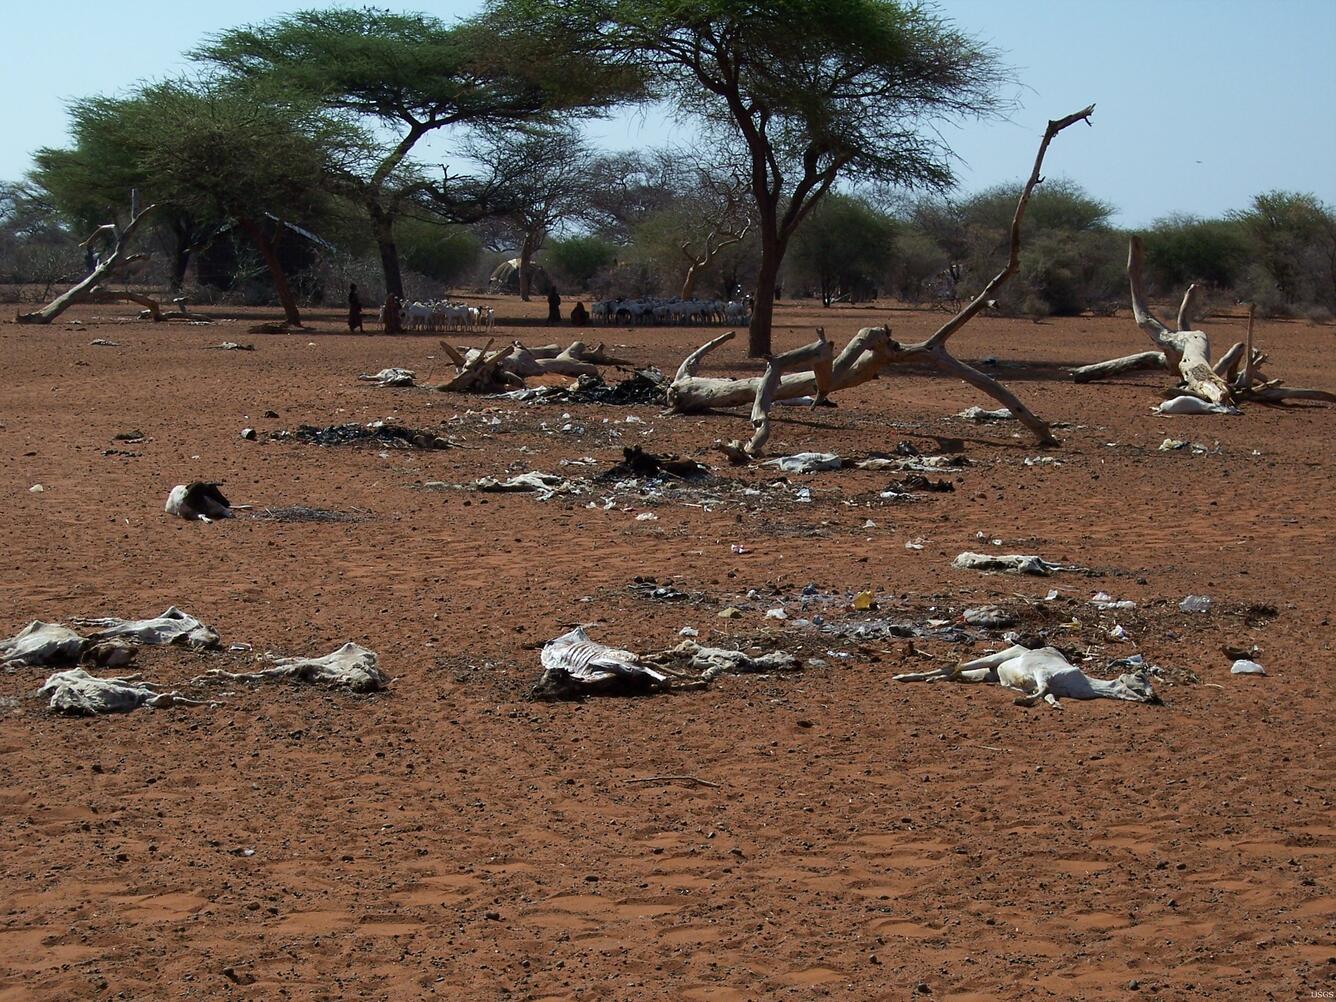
(916, 543)
(1195, 603)
(36, 489)
(1245, 667)
(1170, 444)
(1103, 600)
(777, 613)
(688, 631)
(647, 516)
(1118, 633)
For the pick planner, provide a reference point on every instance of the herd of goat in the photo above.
(441, 315)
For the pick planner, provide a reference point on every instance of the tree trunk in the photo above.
(763, 308)
(689, 283)
(267, 251)
(382, 224)
(526, 258)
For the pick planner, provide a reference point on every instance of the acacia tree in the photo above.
(244, 155)
(89, 181)
(541, 177)
(845, 246)
(815, 89)
(410, 75)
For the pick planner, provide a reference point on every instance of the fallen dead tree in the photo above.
(482, 370)
(1235, 378)
(870, 353)
(113, 265)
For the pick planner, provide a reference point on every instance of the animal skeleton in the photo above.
(1037, 674)
(390, 377)
(77, 692)
(350, 667)
(172, 627)
(41, 644)
(573, 660)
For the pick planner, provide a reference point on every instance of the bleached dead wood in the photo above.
(485, 371)
(1187, 353)
(872, 351)
(108, 267)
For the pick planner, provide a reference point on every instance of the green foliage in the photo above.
(844, 247)
(575, 261)
(1292, 237)
(814, 90)
(1181, 250)
(444, 253)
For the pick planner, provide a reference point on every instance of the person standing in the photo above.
(553, 306)
(393, 315)
(354, 309)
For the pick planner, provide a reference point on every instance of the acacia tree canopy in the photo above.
(412, 74)
(817, 90)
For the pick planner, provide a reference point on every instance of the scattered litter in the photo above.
(198, 501)
(661, 593)
(636, 462)
(869, 524)
(864, 601)
(980, 415)
(351, 667)
(778, 613)
(78, 693)
(1117, 633)
(231, 346)
(172, 627)
(1042, 461)
(36, 489)
(1015, 563)
(41, 645)
(989, 616)
(806, 462)
(647, 516)
(544, 484)
(688, 631)
(731, 612)
(711, 662)
(916, 543)
(390, 377)
(1246, 667)
(377, 432)
(1103, 600)
(1194, 405)
(739, 548)
(1195, 603)
(647, 386)
(915, 483)
(248, 434)
(1170, 444)
(101, 342)
(1041, 673)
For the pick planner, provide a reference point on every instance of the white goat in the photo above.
(1040, 674)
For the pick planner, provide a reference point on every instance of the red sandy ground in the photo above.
(863, 839)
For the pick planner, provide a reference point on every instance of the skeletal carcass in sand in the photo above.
(1016, 563)
(1040, 674)
(390, 377)
(79, 693)
(710, 662)
(574, 664)
(351, 667)
(198, 500)
(172, 627)
(41, 645)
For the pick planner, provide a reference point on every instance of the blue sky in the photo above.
(1201, 103)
